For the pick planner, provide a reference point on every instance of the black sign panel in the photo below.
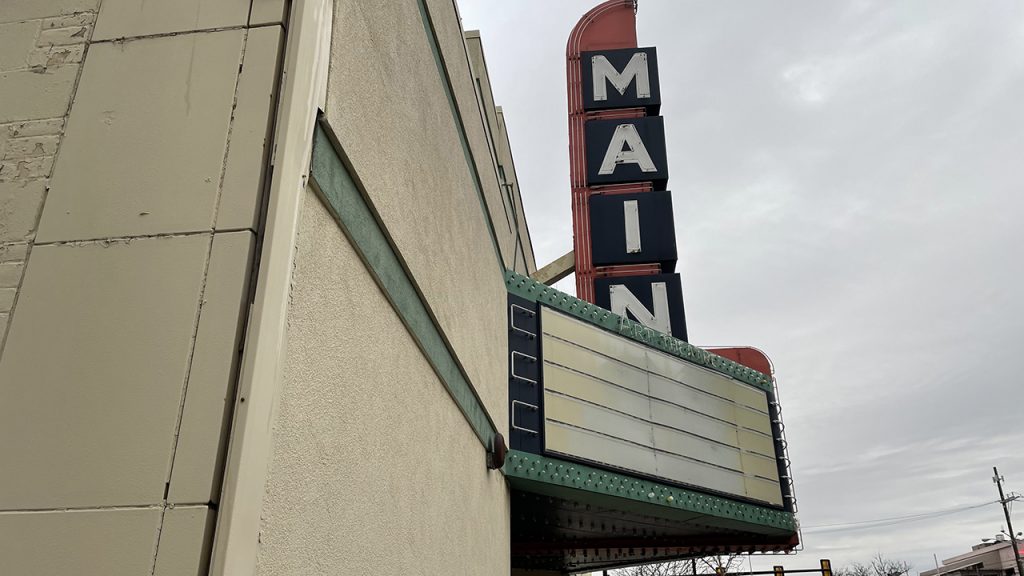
(647, 300)
(524, 376)
(633, 229)
(628, 150)
(626, 78)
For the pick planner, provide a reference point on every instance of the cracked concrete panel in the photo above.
(17, 39)
(251, 131)
(208, 398)
(143, 150)
(92, 374)
(131, 18)
(79, 542)
(18, 10)
(13, 252)
(7, 299)
(268, 12)
(184, 545)
(29, 94)
(10, 274)
(19, 209)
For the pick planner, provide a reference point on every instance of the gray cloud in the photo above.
(847, 179)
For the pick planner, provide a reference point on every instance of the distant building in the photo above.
(984, 559)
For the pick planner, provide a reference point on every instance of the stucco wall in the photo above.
(374, 470)
(388, 106)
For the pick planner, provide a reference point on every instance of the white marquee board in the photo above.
(613, 401)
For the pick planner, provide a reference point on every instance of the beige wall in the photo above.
(130, 187)
(512, 230)
(387, 105)
(374, 470)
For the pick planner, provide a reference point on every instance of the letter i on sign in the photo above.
(631, 210)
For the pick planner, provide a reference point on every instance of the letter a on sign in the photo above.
(629, 150)
(626, 147)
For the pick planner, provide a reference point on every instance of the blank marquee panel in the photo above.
(613, 401)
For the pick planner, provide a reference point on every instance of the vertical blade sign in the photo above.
(631, 244)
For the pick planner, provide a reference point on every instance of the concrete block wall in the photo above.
(133, 145)
(41, 51)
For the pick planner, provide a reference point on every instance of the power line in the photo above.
(1004, 500)
(878, 522)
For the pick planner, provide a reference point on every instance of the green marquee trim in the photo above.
(643, 495)
(343, 197)
(532, 290)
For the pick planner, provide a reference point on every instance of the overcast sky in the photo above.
(847, 181)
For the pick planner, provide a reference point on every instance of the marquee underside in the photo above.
(571, 517)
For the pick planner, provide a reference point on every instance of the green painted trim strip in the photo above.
(359, 222)
(530, 289)
(446, 84)
(644, 496)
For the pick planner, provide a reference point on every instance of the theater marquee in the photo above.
(627, 443)
(618, 403)
(586, 393)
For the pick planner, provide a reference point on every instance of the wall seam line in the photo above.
(130, 239)
(206, 275)
(200, 304)
(127, 39)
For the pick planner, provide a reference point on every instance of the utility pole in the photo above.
(998, 480)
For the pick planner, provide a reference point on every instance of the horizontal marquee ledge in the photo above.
(559, 478)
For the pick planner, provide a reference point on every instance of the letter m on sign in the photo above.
(625, 78)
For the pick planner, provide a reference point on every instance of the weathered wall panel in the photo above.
(146, 160)
(120, 320)
(92, 377)
(84, 543)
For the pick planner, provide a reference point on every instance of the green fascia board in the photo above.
(559, 478)
(343, 197)
(528, 288)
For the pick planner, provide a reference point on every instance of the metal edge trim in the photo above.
(353, 212)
